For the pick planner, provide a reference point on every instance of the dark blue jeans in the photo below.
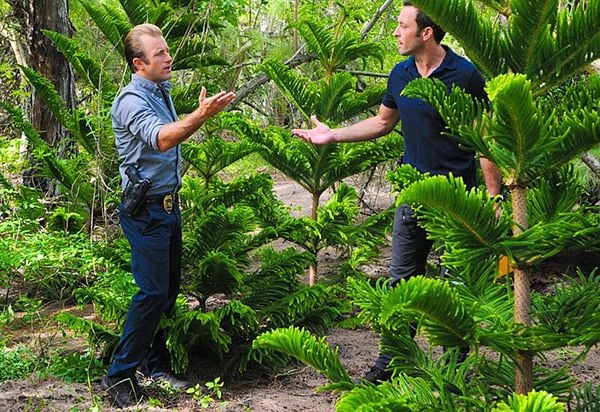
(156, 247)
(410, 248)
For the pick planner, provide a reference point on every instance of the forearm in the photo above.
(491, 175)
(172, 134)
(367, 129)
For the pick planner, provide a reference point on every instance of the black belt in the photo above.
(161, 198)
(166, 200)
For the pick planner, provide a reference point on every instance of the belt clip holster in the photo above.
(167, 203)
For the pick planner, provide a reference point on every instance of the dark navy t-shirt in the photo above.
(425, 147)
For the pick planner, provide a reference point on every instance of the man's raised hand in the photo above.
(320, 134)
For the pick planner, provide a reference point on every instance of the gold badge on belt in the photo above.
(168, 203)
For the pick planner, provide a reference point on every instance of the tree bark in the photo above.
(41, 55)
(522, 288)
(591, 162)
(313, 267)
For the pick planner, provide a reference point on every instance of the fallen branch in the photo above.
(591, 162)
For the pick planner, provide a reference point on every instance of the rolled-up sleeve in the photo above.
(139, 119)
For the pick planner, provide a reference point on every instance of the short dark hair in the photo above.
(423, 20)
(133, 42)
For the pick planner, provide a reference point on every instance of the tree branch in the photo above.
(376, 17)
(591, 162)
(299, 58)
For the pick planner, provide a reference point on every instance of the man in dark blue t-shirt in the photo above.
(426, 148)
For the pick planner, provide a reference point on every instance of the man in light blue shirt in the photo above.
(148, 134)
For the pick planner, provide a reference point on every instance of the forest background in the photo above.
(256, 261)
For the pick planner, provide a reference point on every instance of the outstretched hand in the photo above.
(209, 106)
(321, 134)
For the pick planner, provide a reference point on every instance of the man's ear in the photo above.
(426, 33)
(138, 63)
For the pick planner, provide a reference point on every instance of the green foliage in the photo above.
(464, 220)
(535, 33)
(205, 400)
(587, 398)
(48, 266)
(570, 312)
(532, 402)
(17, 363)
(303, 346)
(335, 49)
(77, 367)
(331, 98)
(86, 67)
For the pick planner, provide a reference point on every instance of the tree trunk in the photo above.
(313, 267)
(591, 162)
(522, 286)
(295, 33)
(33, 16)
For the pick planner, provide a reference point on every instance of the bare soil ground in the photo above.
(292, 390)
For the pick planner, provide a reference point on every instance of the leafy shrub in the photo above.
(17, 363)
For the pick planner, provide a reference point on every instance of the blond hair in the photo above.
(133, 42)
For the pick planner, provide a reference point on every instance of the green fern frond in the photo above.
(446, 319)
(581, 130)
(368, 298)
(553, 194)
(193, 52)
(300, 344)
(276, 278)
(570, 232)
(217, 229)
(336, 216)
(529, 32)
(532, 402)
(215, 154)
(314, 306)
(577, 42)
(73, 180)
(335, 50)
(368, 236)
(97, 334)
(584, 94)
(238, 318)
(50, 96)
(86, 67)
(140, 11)
(296, 88)
(403, 394)
(73, 121)
(463, 220)
(332, 92)
(404, 176)
(490, 301)
(520, 136)
(110, 20)
(571, 310)
(356, 103)
(215, 272)
(186, 329)
(586, 398)
(458, 108)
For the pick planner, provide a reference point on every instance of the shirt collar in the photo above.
(148, 84)
(449, 62)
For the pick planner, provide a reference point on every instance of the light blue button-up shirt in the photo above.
(138, 113)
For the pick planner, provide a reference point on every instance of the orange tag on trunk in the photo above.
(504, 267)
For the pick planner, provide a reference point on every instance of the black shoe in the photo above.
(124, 391)
(171, 379)
(374, 376)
